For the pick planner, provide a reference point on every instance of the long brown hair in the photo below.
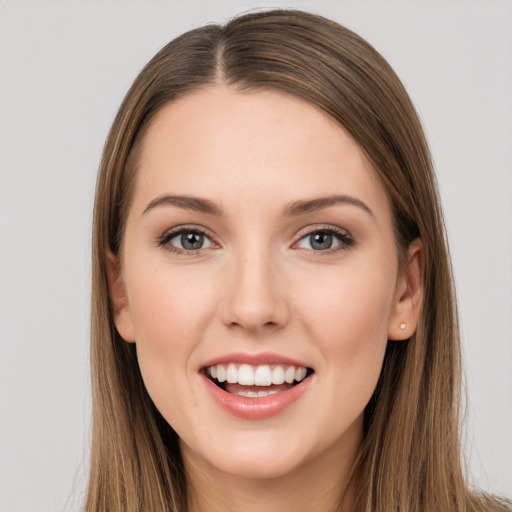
(410, 456)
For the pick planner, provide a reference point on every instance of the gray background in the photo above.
(64, 68)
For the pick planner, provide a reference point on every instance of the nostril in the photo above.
(254, 326)
(254, 302)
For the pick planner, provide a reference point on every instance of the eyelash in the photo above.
(345, 239)
(164, 240)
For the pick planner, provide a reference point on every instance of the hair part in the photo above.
(410, 456)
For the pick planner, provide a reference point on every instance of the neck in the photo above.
(322, 484)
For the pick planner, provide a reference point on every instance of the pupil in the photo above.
(192, 241)
(321, 241)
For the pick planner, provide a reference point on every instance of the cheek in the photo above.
(347, 317)
(351, 305)
(168, 303)
(169, 307)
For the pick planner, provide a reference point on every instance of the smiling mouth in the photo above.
(256, 381)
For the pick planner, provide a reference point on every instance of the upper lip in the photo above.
(255, 359)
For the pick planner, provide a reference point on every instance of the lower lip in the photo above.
(256, 408)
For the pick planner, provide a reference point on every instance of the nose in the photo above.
(255, 297)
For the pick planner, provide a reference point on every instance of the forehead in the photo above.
(224, 143)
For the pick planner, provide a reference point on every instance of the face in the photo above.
(259, 280)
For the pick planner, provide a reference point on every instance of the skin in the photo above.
(260, 286)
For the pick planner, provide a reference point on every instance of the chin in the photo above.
(250, 456)
(261, 466)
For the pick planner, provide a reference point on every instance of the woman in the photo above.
(273, 316)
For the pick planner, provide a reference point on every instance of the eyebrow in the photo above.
(187, 202)
(294, 209)
(307, 206)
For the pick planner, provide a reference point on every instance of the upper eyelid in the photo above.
(346, 240)
(171, 233)
(308, 230)
(187, 227)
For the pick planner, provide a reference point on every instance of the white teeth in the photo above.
(253, 394)
(232, 374)
(300, 373)
(247, 394)
(262, 375)
(289, 374)
(221, 373)
(278, 375)
(245, 375)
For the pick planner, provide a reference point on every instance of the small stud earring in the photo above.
(402, 326)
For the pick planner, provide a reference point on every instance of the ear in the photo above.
(408, 295)
(122, 315)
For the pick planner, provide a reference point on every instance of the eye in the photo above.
(325, 240)
(186, 240)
